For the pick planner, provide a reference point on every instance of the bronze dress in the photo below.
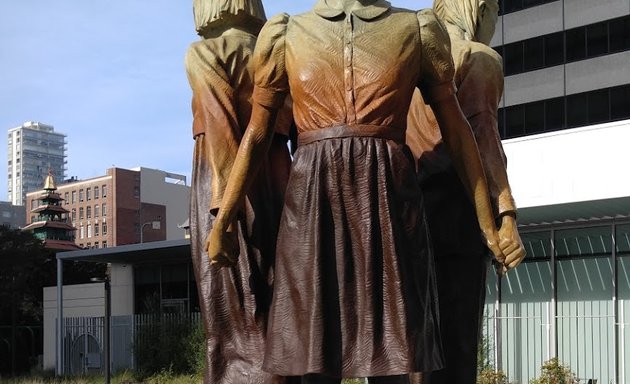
(461, 256)
(354, 292)
(234, 301)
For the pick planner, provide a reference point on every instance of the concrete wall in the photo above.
(170, 190)
(122, 289)
(549, 18)
(79, 300)
(577, 77)
(86, 300)
(573, 165)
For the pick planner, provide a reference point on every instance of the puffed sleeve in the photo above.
(271, 83)
(436, 79)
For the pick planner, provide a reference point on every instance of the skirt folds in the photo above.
(354, 292)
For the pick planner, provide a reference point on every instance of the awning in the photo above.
(152, 252)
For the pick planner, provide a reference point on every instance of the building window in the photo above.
(97, 210)
(514, 121)
(508, 6)
(80, 213)
(81, 232)
(88, 212)
(96, 192)
(136, 192)
(96, 229)
(554, 114)
(89, 231)
(74, 215)
(88, 194)
(579, 43)
(597, 39)
(33, 204)
(576, 44)
(104, 244)
(598, 106)
(81, 195)
(533, 54)
(577, 110)
(104, 209)
(96, 244)
(592, 107)
(74, 197)
(619, 34)
(535, 117)
(620, 102)
(104, 232)
(104, 190)
(65, 198)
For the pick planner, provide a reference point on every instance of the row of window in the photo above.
(571, 111)
(96, 245)
(567, 46)
(508, 6)
(87, 212)
(90, 230)
(86, 194)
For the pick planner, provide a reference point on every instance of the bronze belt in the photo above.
(358, 130)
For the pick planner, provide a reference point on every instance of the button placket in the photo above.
(348, 69)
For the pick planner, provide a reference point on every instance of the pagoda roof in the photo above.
(61, 245)
(50, 195)
(50, 207)
(49, 224)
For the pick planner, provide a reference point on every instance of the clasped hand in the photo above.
(510, 245)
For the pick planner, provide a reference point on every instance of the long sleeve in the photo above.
(214, 114)
(479, 79)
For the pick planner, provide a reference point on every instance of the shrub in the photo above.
(169, 346)
(554, 372)
(490, 376)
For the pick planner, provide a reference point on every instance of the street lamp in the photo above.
(155, 224)
(106, 325)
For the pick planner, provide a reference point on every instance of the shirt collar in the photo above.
(331, 9)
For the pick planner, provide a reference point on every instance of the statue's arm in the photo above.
(271, 87)
(479, 78)
(214, 116)
(437, 87)
(222, 246)
(462, 148)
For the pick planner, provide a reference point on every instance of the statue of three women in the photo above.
(363, 253)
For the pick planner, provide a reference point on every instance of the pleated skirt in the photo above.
(354, 292)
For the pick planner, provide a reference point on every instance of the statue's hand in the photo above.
(492, 242)
(510, 243)
(222, 246)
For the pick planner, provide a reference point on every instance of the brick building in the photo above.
(123, 207)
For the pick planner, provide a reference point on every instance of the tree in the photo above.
(26, 267)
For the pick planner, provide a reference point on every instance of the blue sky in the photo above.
(109, 74)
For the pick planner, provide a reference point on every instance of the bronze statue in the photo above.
(459, 250)
(234, 302)
(354, 289)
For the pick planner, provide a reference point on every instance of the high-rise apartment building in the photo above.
(565, 117)
(33, 149)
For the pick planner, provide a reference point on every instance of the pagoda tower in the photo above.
(51, 223)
